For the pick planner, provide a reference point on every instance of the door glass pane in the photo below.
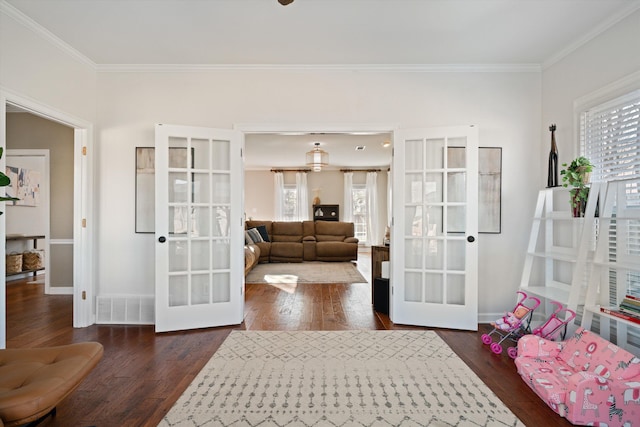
(457, 154)
(178, 220)
(200, 153)
(200, 255)
(178, 291)
(221, 224)
(413, 221)
(435, 153)
(455, 289)
(177, 152)
(413, 286)
(200, 289)
(433, 188)
(178, 157)
(456, 187)
(221, 188)
(221, 254)
(201, 188)
(413, 155)
(434, 288)
(221, 291)
(456, 255)
(413, 253)
(456, 219)
(434, 258)
(200, 221)
(177, 255)
(433, 221)
(220, 155)
(413, 188)
(178, 187)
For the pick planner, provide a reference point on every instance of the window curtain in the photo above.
(347, 206)
(279, 190)
(389, 199)
(303, 196)
(372, 208)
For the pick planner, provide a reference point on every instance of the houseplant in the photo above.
(576, 174)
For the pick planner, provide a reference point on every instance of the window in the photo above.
(289, 203)
(360, 214)
(610, 138)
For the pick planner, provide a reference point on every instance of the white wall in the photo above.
(505, 106)
(612, 56)
(31, 66)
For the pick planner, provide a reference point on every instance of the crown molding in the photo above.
(595, 32)
(396, 68)
(29, 23)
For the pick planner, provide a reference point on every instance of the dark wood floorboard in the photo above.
(143, 373)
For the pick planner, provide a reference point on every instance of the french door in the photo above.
(199, 252)
(434, 250)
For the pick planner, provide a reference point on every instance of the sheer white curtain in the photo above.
(279, 190)
(347, 206)
(303, 196)
(372, 208)
(389, 199)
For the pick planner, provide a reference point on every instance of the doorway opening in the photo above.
(77, 246)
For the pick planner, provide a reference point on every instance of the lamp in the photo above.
(317, 158)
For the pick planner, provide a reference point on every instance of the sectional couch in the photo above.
(298, 241)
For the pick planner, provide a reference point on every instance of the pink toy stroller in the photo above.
(513, 324)
(555, 327)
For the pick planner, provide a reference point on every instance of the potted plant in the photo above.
(577, 174)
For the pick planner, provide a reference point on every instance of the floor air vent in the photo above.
(125, 310)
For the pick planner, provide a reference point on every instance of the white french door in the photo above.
(434, 248)
(199, 224)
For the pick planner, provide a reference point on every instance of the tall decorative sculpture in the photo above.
(552, 177)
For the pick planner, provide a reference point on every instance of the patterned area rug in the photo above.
(337, 378)
(305, 272)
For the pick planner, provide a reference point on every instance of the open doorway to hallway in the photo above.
(40, 157)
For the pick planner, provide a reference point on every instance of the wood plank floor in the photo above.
(142, 373)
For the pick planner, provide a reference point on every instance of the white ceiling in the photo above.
(405, 34)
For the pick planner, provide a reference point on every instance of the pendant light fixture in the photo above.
(317, 158)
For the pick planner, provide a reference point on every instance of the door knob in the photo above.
(471, 239)
(162, 239)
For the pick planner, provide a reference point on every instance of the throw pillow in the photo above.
(247, 238)
(263, 232)
(255, 235)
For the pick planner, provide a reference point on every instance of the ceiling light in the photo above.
(317, 158)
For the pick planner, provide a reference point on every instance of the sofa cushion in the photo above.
(548, 377)
(287, 232)
(587, 351)
(254, 235)
(330, 238)
(262, 229)
(334, 228)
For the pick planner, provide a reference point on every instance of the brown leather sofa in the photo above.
(298, 241)
(34, 380)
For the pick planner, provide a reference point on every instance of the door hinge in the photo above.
(84, 151)
(84, 223)
(84, 294)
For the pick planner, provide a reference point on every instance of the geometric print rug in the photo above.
(337, 378)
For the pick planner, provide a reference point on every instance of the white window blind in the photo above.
(610, 138)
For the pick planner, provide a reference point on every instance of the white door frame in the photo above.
(83, 227)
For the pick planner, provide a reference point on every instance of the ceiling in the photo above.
(386, 34)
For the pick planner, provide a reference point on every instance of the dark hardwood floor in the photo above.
(143, 373)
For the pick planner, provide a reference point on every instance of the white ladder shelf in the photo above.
(559, 248)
